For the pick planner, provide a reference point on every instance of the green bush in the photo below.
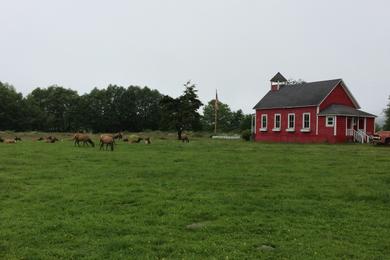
(246, 135)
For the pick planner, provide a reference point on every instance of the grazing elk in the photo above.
(139, 139)
(147, 140)
(51, 140)
(82, 138)
(107, 140)
(118, 136)
(7, 141)
(184, 138)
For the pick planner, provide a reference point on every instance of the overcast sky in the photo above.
(232, 46)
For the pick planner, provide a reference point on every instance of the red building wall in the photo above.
(283, 135)
(338, 96)
(326, 134)
(322, 134)
(340, 129)
(370, 125)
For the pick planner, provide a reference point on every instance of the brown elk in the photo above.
(8, 141)
(184, 138)
(147, 140)
(82, 138)
(107, 140)
(139, 139)
(51, 140)
(118, 136)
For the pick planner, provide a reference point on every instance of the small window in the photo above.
(263, 121)
(277, 121)
(330, 121)
(306, 121)
(291, 121)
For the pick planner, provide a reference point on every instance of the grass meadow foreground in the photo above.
(205, 199)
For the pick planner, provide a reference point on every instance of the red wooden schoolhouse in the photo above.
(311, 112)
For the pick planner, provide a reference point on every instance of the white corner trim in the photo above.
(335, 126)
(365, 124)
(318, 111)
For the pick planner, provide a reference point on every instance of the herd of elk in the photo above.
(10, 141)
(105, 139)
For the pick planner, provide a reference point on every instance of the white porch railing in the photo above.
(359, 136)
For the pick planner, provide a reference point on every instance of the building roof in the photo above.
(298, 95)
(278, 78)
(344, 111)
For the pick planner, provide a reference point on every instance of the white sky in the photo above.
(234, 46)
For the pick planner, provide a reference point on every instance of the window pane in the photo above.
(277, 121)
(306, 121)
(291, 121)
(330, 120)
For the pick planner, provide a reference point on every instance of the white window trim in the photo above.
(277, 129)
(305, 129)
(290, 129)
(262, 128)
(326, 121)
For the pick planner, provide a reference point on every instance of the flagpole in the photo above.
(215, 111)
(216, 117)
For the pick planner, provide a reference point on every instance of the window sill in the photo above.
(276, 130)
(290, 130)
(263, 129)
(305, 130)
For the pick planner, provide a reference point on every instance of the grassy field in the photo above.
(205, 199)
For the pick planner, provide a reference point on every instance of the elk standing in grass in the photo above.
(184, 138)
(82, 138)
(107, 140)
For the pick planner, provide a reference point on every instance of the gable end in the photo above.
(345, 90)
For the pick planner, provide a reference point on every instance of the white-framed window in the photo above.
(306, 121)
(277, 121)
(329, 121)
(264, 122)
(291, 121)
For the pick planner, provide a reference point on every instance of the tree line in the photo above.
(112, 109)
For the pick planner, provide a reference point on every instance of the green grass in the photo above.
(305, 201)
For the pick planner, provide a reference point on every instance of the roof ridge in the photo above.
(338, 79)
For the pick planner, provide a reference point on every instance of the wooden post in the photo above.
(215, 119)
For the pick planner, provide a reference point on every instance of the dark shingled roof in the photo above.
(345, 111)
(278, 78)
(297, 95)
